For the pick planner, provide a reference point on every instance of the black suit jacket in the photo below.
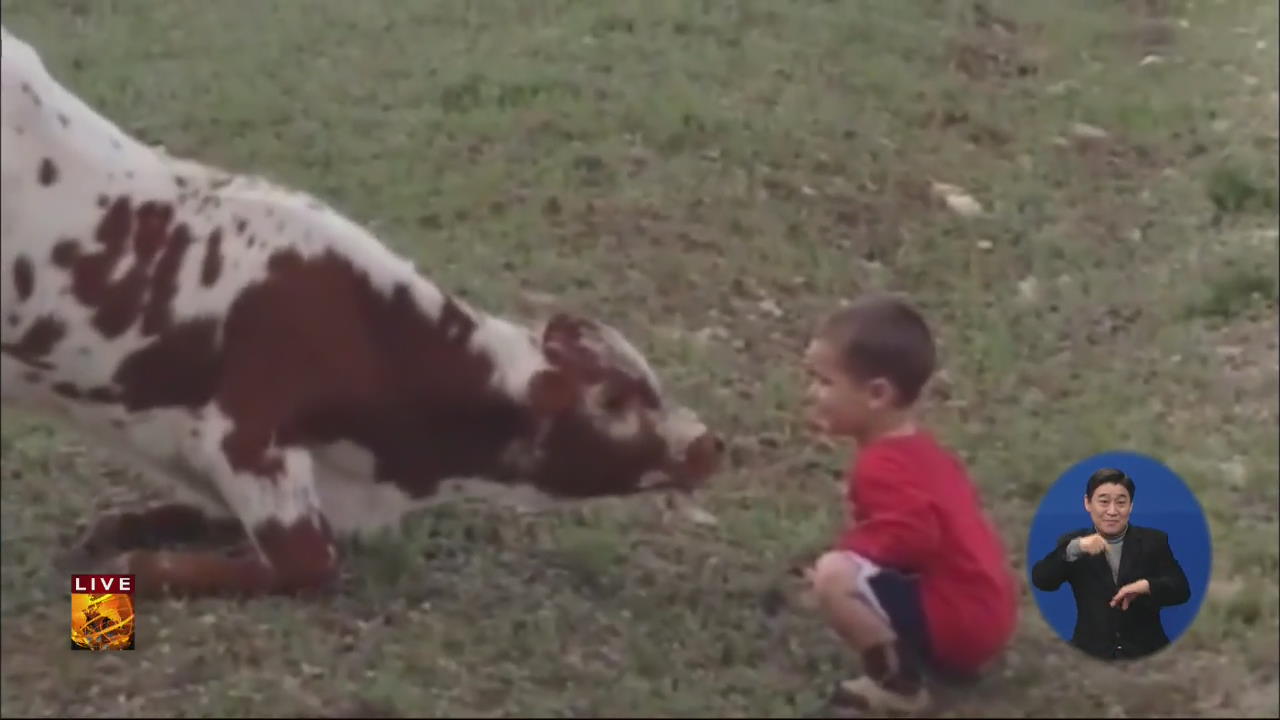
(1107, 632)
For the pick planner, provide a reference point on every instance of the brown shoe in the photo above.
(864, 695)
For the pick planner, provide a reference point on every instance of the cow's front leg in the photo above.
(154, 527)
(272, 491)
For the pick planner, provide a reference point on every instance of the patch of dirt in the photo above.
(1110, 155)
(1249, 352)
(980, 134)
(995, 48)
(1155, 9)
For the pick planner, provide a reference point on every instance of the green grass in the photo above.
(693, 170)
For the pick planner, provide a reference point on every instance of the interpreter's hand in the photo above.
(1126, 594)
(1092, 544)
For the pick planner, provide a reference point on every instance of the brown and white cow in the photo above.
(275, 362)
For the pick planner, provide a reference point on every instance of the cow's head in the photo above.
(603, 425)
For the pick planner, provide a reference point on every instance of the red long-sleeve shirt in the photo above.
(914, 509)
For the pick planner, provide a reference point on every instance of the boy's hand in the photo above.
(1092, 544)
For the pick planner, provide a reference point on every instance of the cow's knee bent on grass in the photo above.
(252, 347)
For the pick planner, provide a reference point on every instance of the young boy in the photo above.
(919, 579)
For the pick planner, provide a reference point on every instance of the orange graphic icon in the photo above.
(102, 621)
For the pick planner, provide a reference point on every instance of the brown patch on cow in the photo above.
(48, 173)
(164, 282)
(120, 304)
(24, 277)
(64, 120)
(65, 253)
(253, 239)
(212, 266)
(140, 235)
(37, 342)
(67, 390)
(181, 368)
(150, 230)
(103, 201)
(371, 388)
(26, 88)
(179, 181)
(241, 224)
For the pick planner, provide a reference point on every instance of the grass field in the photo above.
(711, 176)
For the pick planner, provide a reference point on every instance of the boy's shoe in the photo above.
(863, 694)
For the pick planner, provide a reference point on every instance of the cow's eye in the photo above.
(615, 401)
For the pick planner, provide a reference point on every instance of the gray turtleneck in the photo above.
(1115, 546)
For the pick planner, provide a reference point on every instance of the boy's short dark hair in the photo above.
(1109, 475)
(882, 335)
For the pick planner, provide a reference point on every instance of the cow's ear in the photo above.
(552, 391)
(563, 329)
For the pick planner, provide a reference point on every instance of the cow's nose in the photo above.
(704, 455)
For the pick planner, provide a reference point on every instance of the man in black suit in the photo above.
(1121, 574)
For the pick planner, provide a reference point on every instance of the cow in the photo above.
(291, 378)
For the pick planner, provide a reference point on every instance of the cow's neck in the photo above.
(452, 379)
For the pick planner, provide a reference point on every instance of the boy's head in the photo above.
(868, 363)
(1108, 498)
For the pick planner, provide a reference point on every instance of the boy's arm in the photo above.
(900, 528)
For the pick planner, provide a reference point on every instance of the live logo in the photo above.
(102, 584)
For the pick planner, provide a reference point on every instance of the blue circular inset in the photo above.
(1161, 501)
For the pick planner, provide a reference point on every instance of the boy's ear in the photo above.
(882, 391)
(552, 391)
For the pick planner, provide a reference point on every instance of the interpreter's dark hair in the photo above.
(881, 335)
(1109, 475)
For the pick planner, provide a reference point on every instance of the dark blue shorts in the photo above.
(896, 596)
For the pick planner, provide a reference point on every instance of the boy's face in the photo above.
(1110, 508)
(838, 404)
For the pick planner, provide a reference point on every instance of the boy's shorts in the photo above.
(895, 597)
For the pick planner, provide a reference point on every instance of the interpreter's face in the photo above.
(1109, 507)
